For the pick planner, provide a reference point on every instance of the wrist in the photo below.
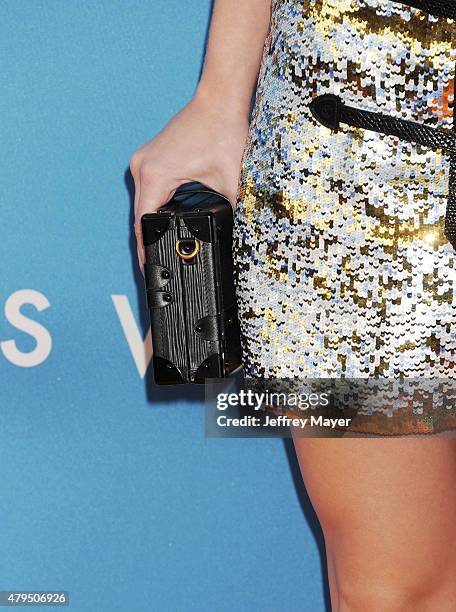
(225, 105)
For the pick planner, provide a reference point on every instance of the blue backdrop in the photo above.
(110, 489)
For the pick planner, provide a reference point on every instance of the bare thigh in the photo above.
(388, 513)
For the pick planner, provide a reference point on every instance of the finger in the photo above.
(135, 165)
(154, 191)
(141, 257)
(140, 251)
(151, 196)
(137, 227)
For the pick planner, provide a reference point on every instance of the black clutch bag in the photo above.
(190, 290)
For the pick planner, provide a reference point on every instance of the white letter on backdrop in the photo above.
(140, 349)
(43, 338)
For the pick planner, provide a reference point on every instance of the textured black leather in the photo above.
(154, 230)
(330, 110)
(195, 332)
(156, 276)
(439, 8)
(207, 327)
(158, 299)
(166, 371)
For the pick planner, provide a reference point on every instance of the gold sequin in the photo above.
(342, 267)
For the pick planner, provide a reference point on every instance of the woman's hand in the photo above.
(203, 142)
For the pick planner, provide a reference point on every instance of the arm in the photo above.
(236, 38)
(205, 140)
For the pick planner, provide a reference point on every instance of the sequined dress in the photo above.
(342, 266)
